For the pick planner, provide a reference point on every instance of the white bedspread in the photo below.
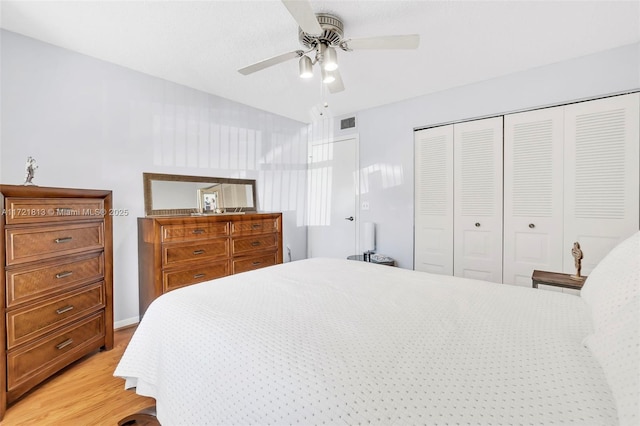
(328, 341)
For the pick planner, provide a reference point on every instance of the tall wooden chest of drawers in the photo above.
(178, 251)
(57, 282)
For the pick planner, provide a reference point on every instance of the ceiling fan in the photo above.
(321, 34)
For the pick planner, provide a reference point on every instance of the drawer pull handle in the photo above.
(531, 225)
(64, 274)
(63, 240)
(255, 243)
(256, 225)
(256, 263)
(198, 231)
(64, 344)
(197, 252)
(63, 310)
(196, 276)
(477, 225)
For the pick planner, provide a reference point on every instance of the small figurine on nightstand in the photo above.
(30, 171)
(577, 256)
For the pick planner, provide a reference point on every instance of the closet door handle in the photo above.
(350, 218)
(477, 225)
(531, 225)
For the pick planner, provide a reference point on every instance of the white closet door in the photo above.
(601, 176)
(533, 185)
(477, 165)
(433, 241)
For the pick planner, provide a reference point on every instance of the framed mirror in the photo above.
(174, 195)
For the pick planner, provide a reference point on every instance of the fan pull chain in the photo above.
(323, 101)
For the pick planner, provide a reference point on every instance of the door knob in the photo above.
(350, 218)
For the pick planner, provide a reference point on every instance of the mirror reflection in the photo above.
(224, 195)
(179, 195)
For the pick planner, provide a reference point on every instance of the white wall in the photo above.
(92, 124)
(386, 133)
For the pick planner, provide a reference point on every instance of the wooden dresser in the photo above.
(178, 251)
(57, 282)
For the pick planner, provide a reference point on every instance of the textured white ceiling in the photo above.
(202, 44)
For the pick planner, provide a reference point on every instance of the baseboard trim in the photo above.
(126, 323)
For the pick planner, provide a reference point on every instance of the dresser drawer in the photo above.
(46, 356)
(29, 322)
(257, 226)
(28, 283)
(254, 262)
(36, 243)
(209, 271)
(194, 252)
(256, 243)
(37, 210)
(195, 231)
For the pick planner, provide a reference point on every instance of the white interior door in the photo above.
(477, 202)
(601, 176)
(533, 190)
(433, 216)
(333, 199)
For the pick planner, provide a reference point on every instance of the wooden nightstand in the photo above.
(556, 279)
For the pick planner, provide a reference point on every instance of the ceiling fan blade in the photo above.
(270, 62)
(336, 85)
(411, 41)
(303, 14)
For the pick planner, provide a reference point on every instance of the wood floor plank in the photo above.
(85, 393)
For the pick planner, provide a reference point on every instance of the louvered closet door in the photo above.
(533, 185)
(433, 240)
(601, 176)
(477, 165)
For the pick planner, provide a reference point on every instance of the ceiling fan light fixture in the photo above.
(327, 76)
(330, 61)
(306, 67)
(323, 34)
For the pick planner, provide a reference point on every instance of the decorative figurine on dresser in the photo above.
(30, 171)
(181, 242)
(57, 282)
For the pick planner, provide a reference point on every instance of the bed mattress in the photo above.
(330, 341)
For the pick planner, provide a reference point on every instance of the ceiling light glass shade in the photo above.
(330, 62)
(306, 67)
(327, 76)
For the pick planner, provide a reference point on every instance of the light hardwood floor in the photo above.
(85, 393)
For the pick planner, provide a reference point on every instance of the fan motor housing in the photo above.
(332, 32)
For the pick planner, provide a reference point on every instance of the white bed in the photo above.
(328, 341)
